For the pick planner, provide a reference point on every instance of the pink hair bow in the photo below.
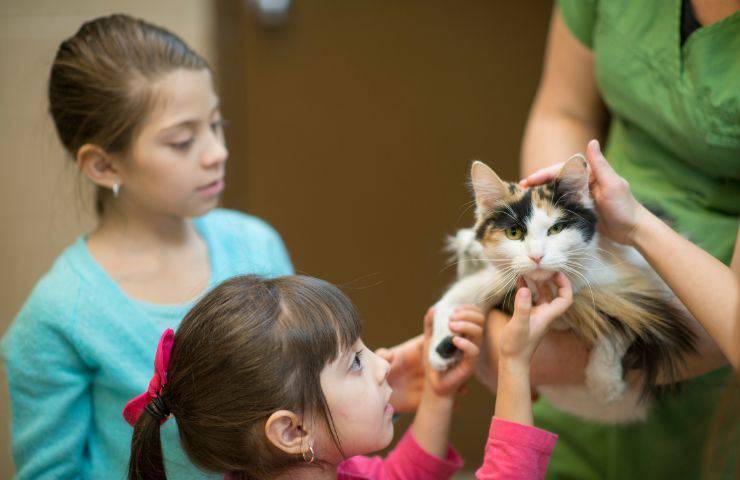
(134, 408)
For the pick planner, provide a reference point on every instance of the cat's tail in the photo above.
(660, 349)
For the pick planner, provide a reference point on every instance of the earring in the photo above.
(115, 189)
(309, 452)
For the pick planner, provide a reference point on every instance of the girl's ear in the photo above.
(284, 430)
(489, 189)
(97, 165)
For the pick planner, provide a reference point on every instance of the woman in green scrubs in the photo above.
(663, 79)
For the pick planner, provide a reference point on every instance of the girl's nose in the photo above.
(216, 152)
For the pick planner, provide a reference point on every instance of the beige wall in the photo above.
(42, 201)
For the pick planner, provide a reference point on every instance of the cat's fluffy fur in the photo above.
(620, 307)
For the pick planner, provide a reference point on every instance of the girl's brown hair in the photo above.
(100, 82)
(250, 347)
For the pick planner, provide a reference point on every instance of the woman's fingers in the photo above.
(542, 175)
(603, 172)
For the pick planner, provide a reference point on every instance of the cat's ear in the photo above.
(489, 189)
(573, 178)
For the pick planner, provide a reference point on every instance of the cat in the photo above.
(621, 308)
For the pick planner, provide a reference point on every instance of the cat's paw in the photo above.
(442, 352)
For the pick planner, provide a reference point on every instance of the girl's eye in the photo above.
(183, 146)
(357, 362)
(557, 228)
(218, 125)
(514, 233)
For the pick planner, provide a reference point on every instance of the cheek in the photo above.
(568, 243)
(500, 249)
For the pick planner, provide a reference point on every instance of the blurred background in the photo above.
(351, 127)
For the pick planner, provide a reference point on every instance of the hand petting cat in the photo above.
(619, 212)
(709, 289)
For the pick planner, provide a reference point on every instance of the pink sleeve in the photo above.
(516, 451)
(407, 461)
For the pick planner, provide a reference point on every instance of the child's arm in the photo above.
(515, 449)
(432, 422)
(517, 342)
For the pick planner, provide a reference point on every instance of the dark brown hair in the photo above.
(100, 82)
(250, 347)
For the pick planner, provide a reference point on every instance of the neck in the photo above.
(319, 472)
(142, 228)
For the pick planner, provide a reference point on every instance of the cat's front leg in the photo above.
(442, 352)
(481, 289)
(604, 373)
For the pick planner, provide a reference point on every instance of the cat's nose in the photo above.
(536, 258)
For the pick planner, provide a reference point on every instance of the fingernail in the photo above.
(455, 324)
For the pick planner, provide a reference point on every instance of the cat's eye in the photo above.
(514, 233)
(557, 228)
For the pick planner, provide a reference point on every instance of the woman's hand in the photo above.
(519, 337)
(406, 375)
(467, 325)
(619, 212)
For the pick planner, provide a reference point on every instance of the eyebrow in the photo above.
(190, 123)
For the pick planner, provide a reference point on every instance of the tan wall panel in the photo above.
(43, 205)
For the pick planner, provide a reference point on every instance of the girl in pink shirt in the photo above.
(269, 378)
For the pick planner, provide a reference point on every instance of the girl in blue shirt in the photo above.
(136, 109)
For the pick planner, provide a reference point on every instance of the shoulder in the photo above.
(50, 309)
(580, 17)
(244, 244)
(238, 225)
(361, 467)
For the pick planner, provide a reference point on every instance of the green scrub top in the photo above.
(675, 136)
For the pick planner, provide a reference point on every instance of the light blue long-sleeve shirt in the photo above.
(80, 348)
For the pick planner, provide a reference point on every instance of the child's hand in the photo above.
(467, 325)
(519, 337)
(406, 375)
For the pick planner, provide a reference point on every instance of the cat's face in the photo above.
(539, 231)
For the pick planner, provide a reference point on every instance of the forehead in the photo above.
(182, 95)
(520, 207)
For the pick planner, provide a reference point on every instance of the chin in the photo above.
(540, 275)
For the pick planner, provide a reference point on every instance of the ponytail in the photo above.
(146, 450)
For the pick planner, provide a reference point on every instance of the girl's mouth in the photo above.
(213, 188)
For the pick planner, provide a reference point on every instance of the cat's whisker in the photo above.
(574, 270)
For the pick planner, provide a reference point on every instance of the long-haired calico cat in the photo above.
(620, 307)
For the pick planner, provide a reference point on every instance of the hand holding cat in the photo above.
(467, 325)
(519, 337)
(619, 212)
(406, 374)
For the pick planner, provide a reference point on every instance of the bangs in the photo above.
(317, 321)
